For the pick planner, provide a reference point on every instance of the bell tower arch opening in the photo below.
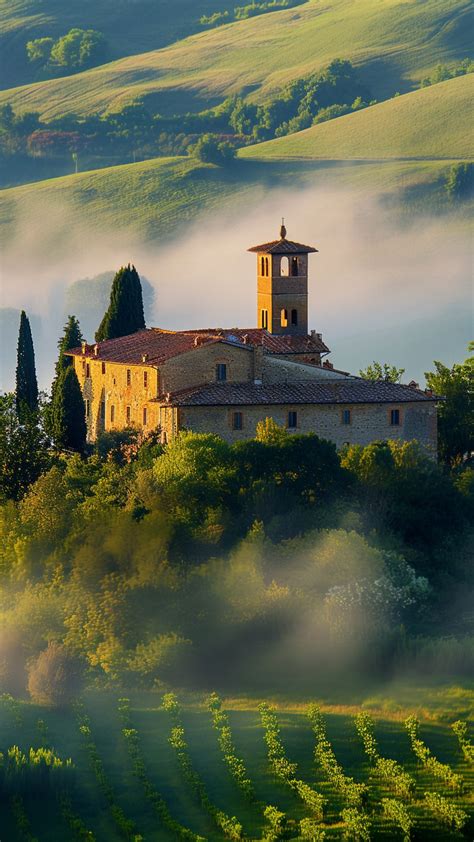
(282, 285)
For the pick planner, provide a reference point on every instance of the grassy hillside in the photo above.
(130, 26)
(394, 42)
(434, 122)
(157, 198)
(20, 726)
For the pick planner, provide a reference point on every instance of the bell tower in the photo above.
(282, 286)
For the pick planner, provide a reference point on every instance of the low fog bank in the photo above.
(378, 290)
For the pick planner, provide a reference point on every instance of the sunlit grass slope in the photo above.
(130, 26)
(434, 122)
(395, 42)
(158, 198)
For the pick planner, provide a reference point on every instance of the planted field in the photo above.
(151, 769)
(434, 122)
(393, 43)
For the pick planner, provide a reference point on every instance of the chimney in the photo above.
(84, 347)
(413, 384)
(96, 350)
(245, 339)
(144, 358)
(327, 364)
(315, 335)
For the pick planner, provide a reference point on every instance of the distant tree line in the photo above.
(443, 72)
(136, 134)
(250, 10)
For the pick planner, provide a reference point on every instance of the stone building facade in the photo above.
(226, 381)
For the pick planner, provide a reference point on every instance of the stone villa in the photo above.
(226, 381)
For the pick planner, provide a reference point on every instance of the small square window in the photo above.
(346, 416)
(145, 379)
(292, 419)
(221, 372)
(145, 416)
(103, 368)
(129, 414)
(237, 421)
(129, 377)
(395, 417)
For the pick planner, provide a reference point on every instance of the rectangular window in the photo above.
(237, 421)
(112, 414)
(88, 370)
(264, 319)
(103, 368)
(88, 407)
(346, 416)
(129, 415)
(102, 412)
(395, 417)
(221, 372)
(144, 416)
(145, 379)
(292, 420)
(129, 377)
(83, 366)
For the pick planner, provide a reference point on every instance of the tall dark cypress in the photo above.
(125, 312)
(68, 412)
(26, 382)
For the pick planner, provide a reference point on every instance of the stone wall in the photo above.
(109, 392)
(198, 366)
(369, 422)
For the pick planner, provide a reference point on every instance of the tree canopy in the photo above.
(382, 371)
(455, 386)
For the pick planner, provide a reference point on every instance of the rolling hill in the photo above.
(394, 43)
(130, 26)
(157, 199)
(434, 122)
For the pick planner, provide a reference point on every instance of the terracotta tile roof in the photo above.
(283, 246)
(272, 343)
(161, 345)
(158, 345)
(348, 391)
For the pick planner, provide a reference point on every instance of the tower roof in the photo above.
(282, 246)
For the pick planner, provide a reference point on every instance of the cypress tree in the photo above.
(68, 412)
(125, 312)
(26, 383)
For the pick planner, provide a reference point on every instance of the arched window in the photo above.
(294, 267)
(262, 266)
(284, 318)
(284, 267)
(266, 266)
(264, 319)
(294, 317)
